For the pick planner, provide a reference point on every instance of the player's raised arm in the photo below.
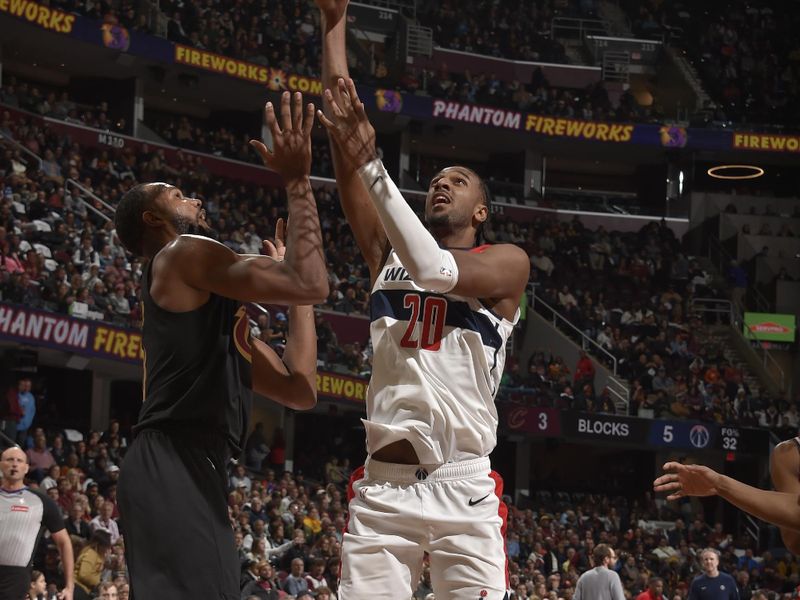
(290, 380)
(500, 272)
(301, 277)
(358, 209)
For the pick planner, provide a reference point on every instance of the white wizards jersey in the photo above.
(437, 364)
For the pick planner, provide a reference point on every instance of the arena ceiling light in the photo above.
(735, 172)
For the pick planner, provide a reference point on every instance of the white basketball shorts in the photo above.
(452, 511)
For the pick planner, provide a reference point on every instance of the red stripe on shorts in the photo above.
(502, 510)
(354, 476)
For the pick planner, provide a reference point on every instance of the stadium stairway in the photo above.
(761, 378)
(548, 334)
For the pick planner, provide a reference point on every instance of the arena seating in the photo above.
(302, 514)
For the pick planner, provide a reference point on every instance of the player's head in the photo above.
(14, 465)
(457, 199)
(157, 211)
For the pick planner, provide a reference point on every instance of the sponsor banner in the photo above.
(101, 33)
(559, 127)
(92, 338)
(274, 79)
(690, 435)
(342, 387)
(515, 418)
(581, 130)
(42, 16)
(767, 327)
(606, 428)
(766, 142)
(116, 37)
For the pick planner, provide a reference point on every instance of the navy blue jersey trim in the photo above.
(389, 303)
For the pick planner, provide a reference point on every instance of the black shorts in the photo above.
(173, 507)
(14, 582)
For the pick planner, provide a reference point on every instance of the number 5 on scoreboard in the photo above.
(433, 311)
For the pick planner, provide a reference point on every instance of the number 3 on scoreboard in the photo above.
(434, 311)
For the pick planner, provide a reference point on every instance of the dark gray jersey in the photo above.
(23, 515)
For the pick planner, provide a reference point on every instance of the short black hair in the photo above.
(128, 217)
(487, 200)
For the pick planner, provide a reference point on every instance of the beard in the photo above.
(183, 225)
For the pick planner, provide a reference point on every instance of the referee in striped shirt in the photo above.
(24, 514)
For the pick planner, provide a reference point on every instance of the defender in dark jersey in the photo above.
(24, 514)
(201, 364)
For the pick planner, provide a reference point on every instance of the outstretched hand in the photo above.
(291, 153)
(277, 250)
(687, 480)
(350, 127)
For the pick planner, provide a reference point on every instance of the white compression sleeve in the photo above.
(429, 266)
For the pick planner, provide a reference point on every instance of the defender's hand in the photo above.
(277, 250)
(291, 153)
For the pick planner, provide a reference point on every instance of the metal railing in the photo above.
(577, 29)
(586, 341)
(752, 527)
(616, 386)
(81, 190)
(15, 144)
(735, 318)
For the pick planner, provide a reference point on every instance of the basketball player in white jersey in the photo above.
(442, 310)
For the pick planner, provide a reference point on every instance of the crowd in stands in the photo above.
(226, 141)
(287, 37)
(537, 96)
(746, 53)
(51, 101)
(632, 294)
(56, 252)
(513, 29)
(289, 525)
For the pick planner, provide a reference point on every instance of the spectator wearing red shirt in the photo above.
(584, 371)
(654, 591)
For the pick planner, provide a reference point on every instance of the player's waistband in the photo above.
(375, 469)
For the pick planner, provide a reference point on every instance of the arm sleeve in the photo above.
(51, 514)
(279, 551)
(429, 266)
(617, 592)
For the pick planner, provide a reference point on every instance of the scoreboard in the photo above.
(632, 431)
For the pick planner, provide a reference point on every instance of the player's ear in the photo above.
(152, 218)
(481, 213)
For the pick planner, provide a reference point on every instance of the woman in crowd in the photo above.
(90, 563)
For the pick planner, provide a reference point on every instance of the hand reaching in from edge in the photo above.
(687, 480)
